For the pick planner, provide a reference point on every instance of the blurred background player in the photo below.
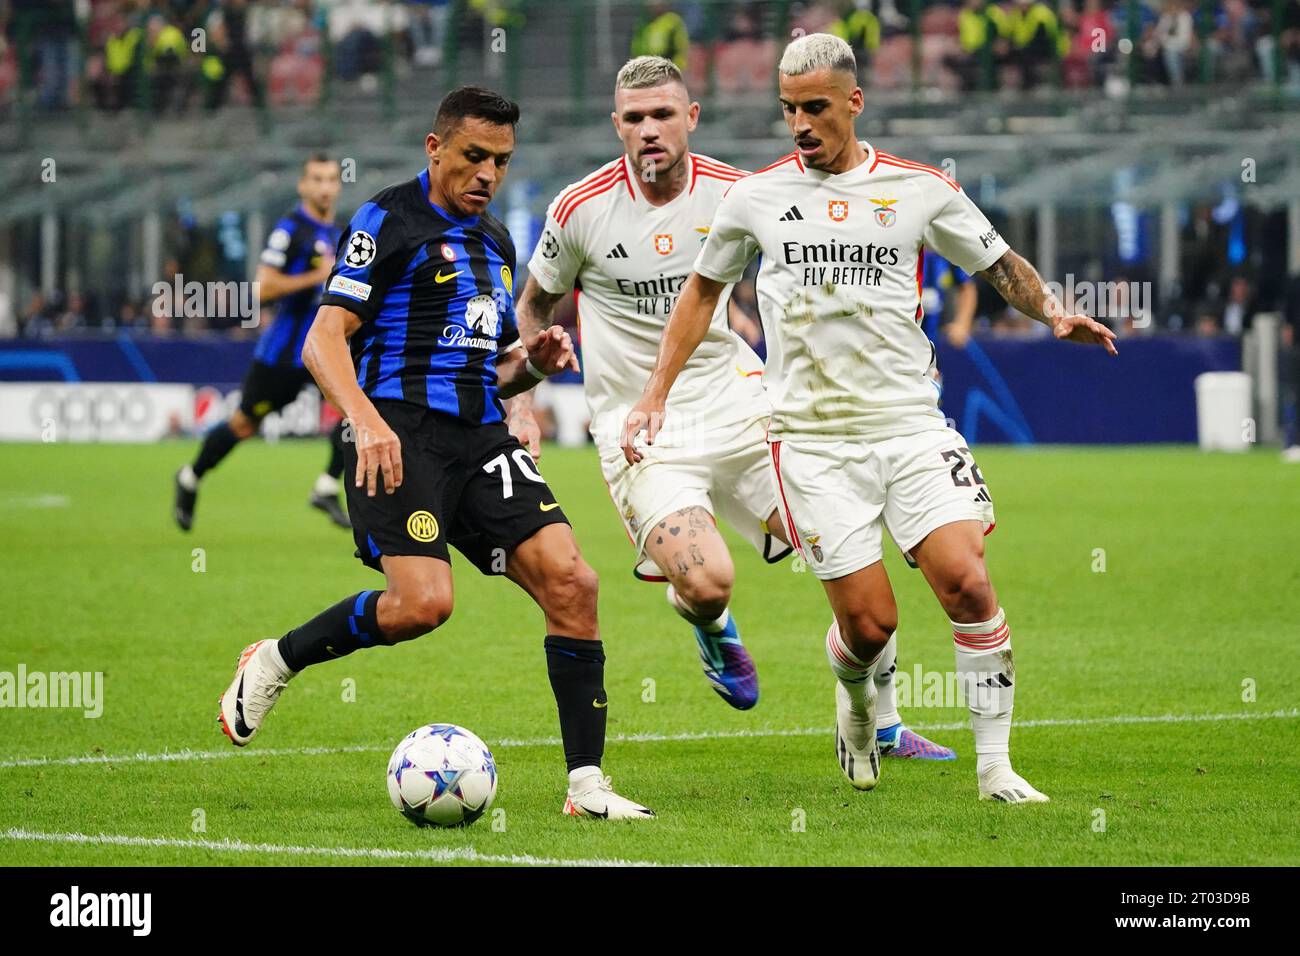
(297, 260)
(416, 343)
(943, 283)
(858, 443)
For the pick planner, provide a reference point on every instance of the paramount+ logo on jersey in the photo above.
(840, 263)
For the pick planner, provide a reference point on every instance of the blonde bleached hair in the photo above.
(818, 51)
(643, 72)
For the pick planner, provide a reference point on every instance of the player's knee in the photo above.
(866, 634)
(968, 594)
(241, 426)
(571, 585)
(416, 614)
(580, 585)
(707, 594)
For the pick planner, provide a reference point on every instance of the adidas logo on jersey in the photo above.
(618, 252)
(983, 495)
(791, 215)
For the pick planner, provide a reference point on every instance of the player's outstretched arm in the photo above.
(273, 284)
(547, 353)
(683, 334)
(533, 311)
(327, 356)
(533, 316)
(1020, 284)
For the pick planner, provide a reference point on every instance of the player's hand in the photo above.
(551, 351)
(957, 336)
(647, 415)
(323, 269)
(378, 450)
(1080, 328)
(523, 425)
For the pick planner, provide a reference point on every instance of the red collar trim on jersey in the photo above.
(628, 173)
(872, 157)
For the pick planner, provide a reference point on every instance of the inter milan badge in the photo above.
(664, 243)
(550, 248)
(361, 250)
(422, 526)
(885, 214)
(838, 209)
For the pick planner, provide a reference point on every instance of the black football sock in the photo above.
(335, 468)
(337, 631)
(577, 670)
(216, 445)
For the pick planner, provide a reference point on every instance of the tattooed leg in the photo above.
(691, 552)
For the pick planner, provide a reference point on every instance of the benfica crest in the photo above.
(885, 214)
(663, 243)
(838, 209)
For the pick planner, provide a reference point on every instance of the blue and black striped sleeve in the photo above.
(281, 245)
(371, 256)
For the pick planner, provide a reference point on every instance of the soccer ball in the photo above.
(442, 775)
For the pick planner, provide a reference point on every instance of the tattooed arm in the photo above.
(523, 423)
(533, 315)
(533, 312)
(1020, 284)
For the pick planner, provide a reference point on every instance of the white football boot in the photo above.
(1004, 784)
(260, 676)
(592, 796)
(855, 738)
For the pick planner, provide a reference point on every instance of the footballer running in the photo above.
(857, 442)
(297, 260)
(627, 235)
(416, 343)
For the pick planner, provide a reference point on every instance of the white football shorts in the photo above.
(724, 469)
(836, 496)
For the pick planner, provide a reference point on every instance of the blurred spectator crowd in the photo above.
(174, 54)
(974, 44)
(165, 55)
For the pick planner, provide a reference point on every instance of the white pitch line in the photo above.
(433, 855)
(36, 501)
(184, 756)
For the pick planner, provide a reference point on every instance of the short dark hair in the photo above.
(477, 101)
(320, 156)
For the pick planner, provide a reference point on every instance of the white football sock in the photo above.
(326, 486)
(886, 698)
(580, 777)
(986, 674)
(708, 625)
(851, 670)
(276, 660)
(188, 480)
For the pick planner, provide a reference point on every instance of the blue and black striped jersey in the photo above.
(938, 277)
(434, 292)
(295, 246)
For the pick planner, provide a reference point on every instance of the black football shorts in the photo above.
(268, 388)
(471, 486)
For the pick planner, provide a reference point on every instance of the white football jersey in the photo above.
(628, 260)
(839, 287)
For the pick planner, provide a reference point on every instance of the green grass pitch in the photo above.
(1193, 616)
